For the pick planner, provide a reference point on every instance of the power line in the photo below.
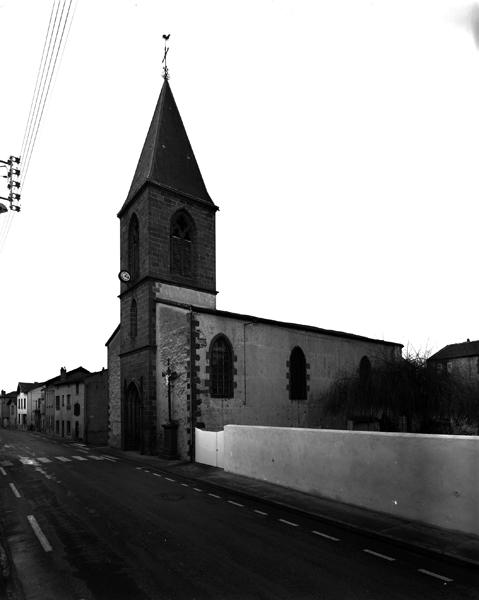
(36, 85)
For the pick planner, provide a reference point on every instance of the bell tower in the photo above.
(167, 241)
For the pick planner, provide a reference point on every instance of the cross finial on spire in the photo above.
(166, 75)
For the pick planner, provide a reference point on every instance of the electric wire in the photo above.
(36, 85)
(41, 93)
(44, 98)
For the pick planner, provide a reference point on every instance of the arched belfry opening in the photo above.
(132, 418)
(182, 242)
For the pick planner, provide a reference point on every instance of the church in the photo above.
(176, 363)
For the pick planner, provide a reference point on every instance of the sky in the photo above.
(339, 140)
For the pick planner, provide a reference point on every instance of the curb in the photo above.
(421, 548)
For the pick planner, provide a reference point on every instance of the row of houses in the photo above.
(73, 405)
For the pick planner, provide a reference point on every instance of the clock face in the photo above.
(124, 276)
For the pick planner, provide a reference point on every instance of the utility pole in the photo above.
(13, 173)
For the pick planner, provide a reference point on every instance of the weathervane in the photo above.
(165, 67)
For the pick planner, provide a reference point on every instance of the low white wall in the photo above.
(428, 478)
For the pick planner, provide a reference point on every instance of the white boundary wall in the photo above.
(429, 478)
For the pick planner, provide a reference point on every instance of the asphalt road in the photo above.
(82, 524)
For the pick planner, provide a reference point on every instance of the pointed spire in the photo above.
(167, 158)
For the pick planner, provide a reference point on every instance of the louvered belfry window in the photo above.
(297, 374)
(134, 247)
(181, 244)
(221, 368)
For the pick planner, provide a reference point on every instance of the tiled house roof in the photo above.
(461, 350)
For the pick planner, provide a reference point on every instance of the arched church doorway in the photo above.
(132, 418)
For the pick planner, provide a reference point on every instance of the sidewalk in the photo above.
(453, 545)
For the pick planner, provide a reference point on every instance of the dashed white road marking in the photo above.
(147, 471)
(198, 489)
(44, 459)
(170, 479)
(63, 458)
(81, 450)
(157, 475)
(14, 490)
(325, 535)
(95, 457)
(185, 485)
(214, 495)
(26, 460)
(436, 575)
(288, 523)
(384, 556)
(79, 458)
(110, 458)
(138, 468)
(39, 533)
(260, 512)
(2, 471)
(235, 503)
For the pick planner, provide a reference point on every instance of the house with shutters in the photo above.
(177, 362)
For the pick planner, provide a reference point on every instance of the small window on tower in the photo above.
(181, 244)
(133, 319)
(134, 247)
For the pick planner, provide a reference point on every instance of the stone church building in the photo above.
(227, 368)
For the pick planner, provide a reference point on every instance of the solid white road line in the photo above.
(79, 458)
(384, 556)
(288, 523)
(214, 495)
(44, 459)
(2, 471)
(235, 503)
(14, 490)
(63, 458)
(39, 533)
(325, 535)
(260, 512)
(436, 575)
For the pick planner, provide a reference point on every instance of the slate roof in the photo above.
(26, 387)
(74, 376)
(167, 158)
(462, 350)
(298, 326)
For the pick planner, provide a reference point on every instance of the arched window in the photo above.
(221, 368)
(297, 374)
(364, 370)
(133, 319)
(181, 244)
(134, 247)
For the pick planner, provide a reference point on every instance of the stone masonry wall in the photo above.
(114, 393)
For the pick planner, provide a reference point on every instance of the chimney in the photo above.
(63, 372)
(468, 340)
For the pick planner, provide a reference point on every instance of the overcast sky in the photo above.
(338, 138)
